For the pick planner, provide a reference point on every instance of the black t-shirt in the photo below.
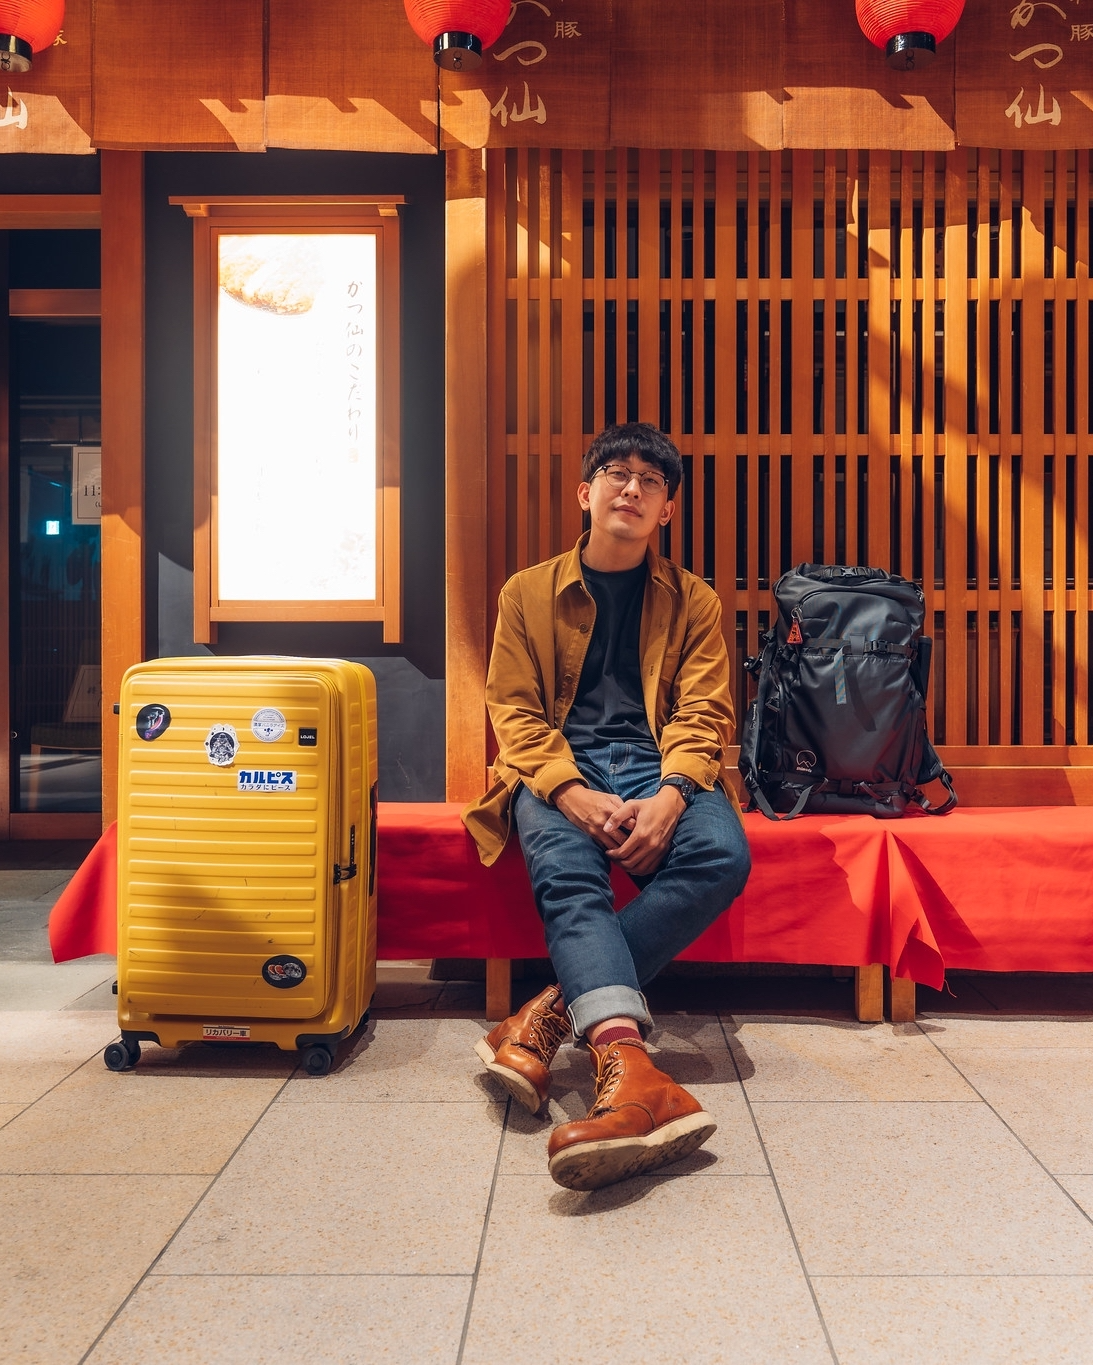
(609, 707)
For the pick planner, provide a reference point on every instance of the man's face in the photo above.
(627, 513)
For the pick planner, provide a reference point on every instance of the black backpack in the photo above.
(839, 722)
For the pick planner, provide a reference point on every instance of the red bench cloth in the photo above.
(85, 919)
(998, 890)
(1003, 890)
(817, 893)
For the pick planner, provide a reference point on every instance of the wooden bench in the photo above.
(899, 901)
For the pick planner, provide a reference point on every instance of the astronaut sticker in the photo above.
(268, 724)
(221, 744)
(152, 720)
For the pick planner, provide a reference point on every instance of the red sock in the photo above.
(616, 1035)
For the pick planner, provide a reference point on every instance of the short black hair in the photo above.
(617, 443)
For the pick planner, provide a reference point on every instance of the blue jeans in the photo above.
(602, 958)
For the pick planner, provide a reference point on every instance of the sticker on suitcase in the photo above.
(268, 724)
(225, 1030)
(266, 780)
(152, 720)
(283, 971)
(221, 744)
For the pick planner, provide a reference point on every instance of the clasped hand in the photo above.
(636, 834)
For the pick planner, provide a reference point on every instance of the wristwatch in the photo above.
(687, 788)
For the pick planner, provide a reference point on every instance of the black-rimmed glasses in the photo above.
(619, 476)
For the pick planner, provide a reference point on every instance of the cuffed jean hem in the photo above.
(608, 1002)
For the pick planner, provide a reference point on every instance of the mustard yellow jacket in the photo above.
(544, 624)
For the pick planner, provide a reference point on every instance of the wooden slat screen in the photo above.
(865, 357)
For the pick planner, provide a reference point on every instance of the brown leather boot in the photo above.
(519, 1051)
(639, 1120)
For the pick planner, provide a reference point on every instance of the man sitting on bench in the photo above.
(608, 691)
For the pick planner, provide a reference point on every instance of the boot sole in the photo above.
(519, 1087)
(591, 1165)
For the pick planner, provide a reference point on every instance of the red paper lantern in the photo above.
(26, 27)
(458, 29)
(908, 31)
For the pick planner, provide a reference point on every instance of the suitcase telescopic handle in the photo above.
(343, 874)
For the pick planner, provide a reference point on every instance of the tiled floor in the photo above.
(873, 1194)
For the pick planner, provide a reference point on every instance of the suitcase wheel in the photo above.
(122, 1056)
(317, 1060)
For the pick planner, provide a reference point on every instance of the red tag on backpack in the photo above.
(795, 637)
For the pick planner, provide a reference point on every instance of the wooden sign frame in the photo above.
(304, 215)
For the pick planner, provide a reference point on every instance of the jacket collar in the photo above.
(571, 566)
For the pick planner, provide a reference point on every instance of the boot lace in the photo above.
(546, 1033)
(608, 1077)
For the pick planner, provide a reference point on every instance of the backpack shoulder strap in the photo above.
(950, 802)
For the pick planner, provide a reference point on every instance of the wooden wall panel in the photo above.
(122, 443)
(861, 355)
(466, 390)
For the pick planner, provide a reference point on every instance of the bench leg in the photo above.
(869, 993)
(498, 988)
(902, 1002)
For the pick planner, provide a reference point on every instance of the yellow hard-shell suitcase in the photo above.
(246, 854)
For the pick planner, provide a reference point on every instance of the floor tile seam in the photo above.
(22, 1108)
(969, 1102)
(1016, 1137)
(90, 991)
(309, 1275)
(476, 1103)
(782, 1204)
(662, 1176)
(482, 1239)
(1075, 1016)
(31, 1103)
(956, 1275)
(1005, 1050)
(111, 1175)
(184, 1221)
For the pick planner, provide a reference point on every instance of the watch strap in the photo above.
(686, 786)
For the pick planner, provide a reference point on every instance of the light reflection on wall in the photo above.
(296, 417)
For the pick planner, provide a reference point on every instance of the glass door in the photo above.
(55, 623)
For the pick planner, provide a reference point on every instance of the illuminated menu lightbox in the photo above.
(296, 416)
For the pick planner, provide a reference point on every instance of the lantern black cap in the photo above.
(16, 54)
(456, 51)
(910, 51)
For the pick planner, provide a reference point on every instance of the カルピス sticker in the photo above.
(267, 724)
(266, 780)
(283, 971)
(152, 720)
(221, 744)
